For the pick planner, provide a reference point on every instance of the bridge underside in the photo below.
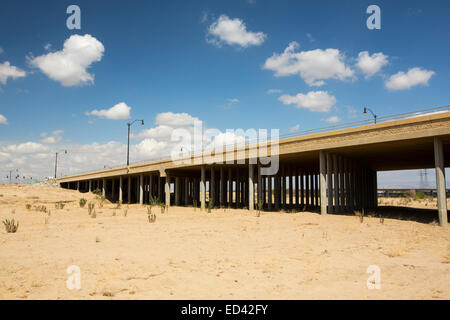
(333, 180)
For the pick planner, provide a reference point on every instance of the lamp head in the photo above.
(365, 110)
(142, 122)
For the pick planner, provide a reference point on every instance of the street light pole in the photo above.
(56, 161)
(373, 114)
(128, 145)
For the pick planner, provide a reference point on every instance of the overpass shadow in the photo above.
(420, 215)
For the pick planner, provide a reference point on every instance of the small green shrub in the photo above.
(97, 192)
(419, 196)
(83, 202)
(10, 225)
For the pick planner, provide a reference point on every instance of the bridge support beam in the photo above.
(251, 185)
(230, 188)
(167, 190)
(323, 183)
(120, 189)
(129, 190)
(203, 188)
(212, 187)
(141, 189)
(440, 181)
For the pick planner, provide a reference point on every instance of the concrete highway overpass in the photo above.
(334, 170)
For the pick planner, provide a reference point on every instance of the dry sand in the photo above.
(189, 254)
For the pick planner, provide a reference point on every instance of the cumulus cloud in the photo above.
(415, 76)
(316, 101)
(69, 66)
(313, 66)
(9, 71)
(175, 119)
(333, 119)
(27, 147)
(3, 119)
(371, 64)
(53, 138)
(233, 32)
(117, 112)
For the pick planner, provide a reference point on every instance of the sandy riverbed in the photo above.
(230, 254)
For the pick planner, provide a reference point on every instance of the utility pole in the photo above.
(128, 145)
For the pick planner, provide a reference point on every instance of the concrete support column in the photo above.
(141, 189)
(341, 185)
(203, 188)
(129, 189)
(291, 188)
(336, 183)
(330, 183)
(307, 192)
(297, 189)
(177, 191)
(212, 187)
(238, 189)
(302, 188)
(313, 190)
(251, 192)
(167, 191)
(350, 185)
(120, 189)
(186, 191)
(230, 187)
(78, 185)
(90, 185)
(283, 187)
(260, 188)
(222, 186)
(150, 187)
(103, 187)
(113, 190)
(323, 183)
(317, 192)
(440, 181)
(276, 180)
(269, 192)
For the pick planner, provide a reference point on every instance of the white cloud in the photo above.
(332, 119)
(175, 119)
(415, 76)
(316, 101)
(310, 37)
(3, 119)
(313, 66)
(270, 91)
(117, 112)
(9, 71)
(27, 147)
(233, 32)
(233, 100)
(55, 137)
(69, 66)
(48, 46)
(294, 128)
(371, 64)
(159, 132)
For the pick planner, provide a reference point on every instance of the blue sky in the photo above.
(162, 56)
